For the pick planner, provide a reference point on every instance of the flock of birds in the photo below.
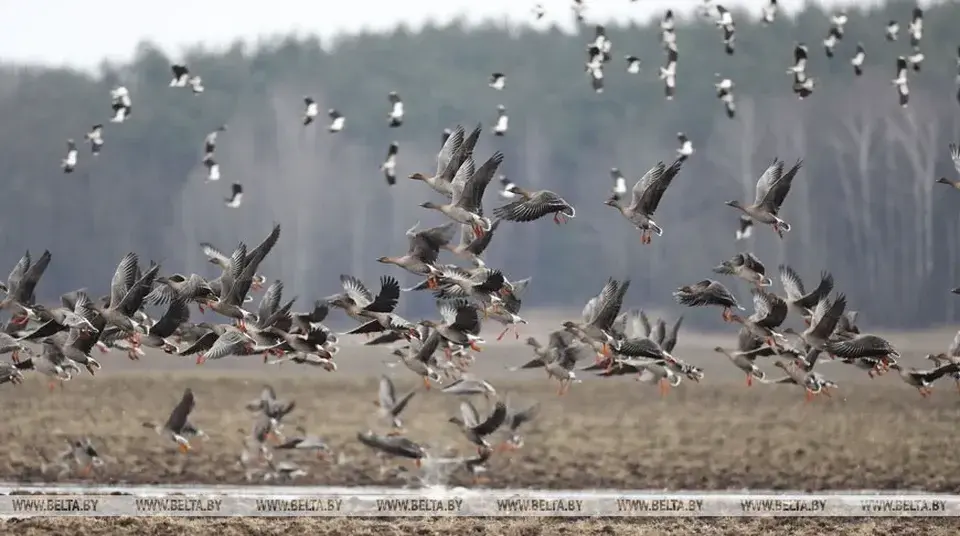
(612, 341)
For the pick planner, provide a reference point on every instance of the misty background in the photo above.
(864, 206)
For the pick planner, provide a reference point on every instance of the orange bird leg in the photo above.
(749, 380)
(504, 332)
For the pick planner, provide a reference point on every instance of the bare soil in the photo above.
(716, 435)
(479, 527)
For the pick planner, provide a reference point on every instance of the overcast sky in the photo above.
(83, 33)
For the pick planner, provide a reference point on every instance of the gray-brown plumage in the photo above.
(769, 311)
(645, 198)
(923, 379)
(535, 205)
(390, 407)
(177, 425)
(746, 266)
(476, 430)
(708, 292)
(423, 250)
(772, 189)
(21, 284)
(394, 445)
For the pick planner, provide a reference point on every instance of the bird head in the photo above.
(734, 204)
(429, 204)
(417, 176)
(612, 201)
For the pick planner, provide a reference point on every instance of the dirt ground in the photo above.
(716, 435)
(481, 527)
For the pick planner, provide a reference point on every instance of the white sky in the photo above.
(81, 34)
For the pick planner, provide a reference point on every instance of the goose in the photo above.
(830, 42)
(725, 94)
(389, 165)
(769, 12)
(797, 375)
(477, 430)
(69, 163)
(230, 342)
(236, 196)
(157, 335)
(306, 442)
(423, 251)
(686, 147)
(460, 323)
(210, 141)
(51, 363)
(916, 27)
(396, 110)
(394, 445)
(417, 358)
(824, 321)
(668, 73)
(177, 424)
(800, 301)
(95, 137)
(744, 228)
(769, 312)
(903, 89)
(481, 284)
(955, 158)
(389, 405)
(455, 151)
(863, 346)
(916, 59)
(772, 189)
(282, 471)
(311, 110)
(599, 314)
(633, 64)
(180, 75)
(234, 290)
(21, 286)
(745, 362)
(359, 303)
(507, 310)
(84, 455)
(121, 104)
(336, 120)
(127, 292)
(708, 292)
(858, 59)
(472, 246)
(497, 81)
(535, 205)
(193, 289)
(892, 30)
(746, 266)
(268, 404)
(468, 187)
(652, 372)
(646, 196)
(514, 420)
(952, 355)
(213, 168)
(800, 53)
(500, 128)
(923, 379)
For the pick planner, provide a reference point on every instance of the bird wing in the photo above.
(177, 313)
(16, 275)
(471, 198)
(780, 189)
(178, 417)
(792, 284)
(767, 180)
(356, 290)
(24, 291)
(492, 422)
(387, 298)
(270, 301)
(827, 314)
(467, 319)
(751, 262)
(537, 206)
(450, 147)
(469, 414)
(650, 198)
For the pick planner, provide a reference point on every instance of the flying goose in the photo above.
(769, 312)
(311, 110)
(535, 205)
(394, 445)
(707, 292)
(468, 385)
(952, 355)
(21, 285)
(468, 187)
(460, 323)
(800, 301)
(236, 196)
(396, 110)
(772, 189)
(196, 84)
(455, 151)
(389, 165)
(417, 358)
(472, 246)
(69, 163)
(746, 266)
(337, 120)
(477, 430)
(389, 405)
(539, 11)
(864, 346)
(210, 141)
(745, 227)
(619, 182)
(514, 420)
(916, 27)
(599, 314)
(725, 22)
(507, 310)
(916, 59)
(424, 250)
(646, 196)
(497, 81)
(745, 362)
(923, 379)
(176, 426)
(213, 168)
(824, 321)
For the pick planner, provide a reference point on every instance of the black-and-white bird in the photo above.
(539, 11)
(336, 120)
(596, 78)
(915, 29)
(668, 28)
(602, 43)
(668, 73)
(196, 84)
(858, 58)
(803, 85)
(903, 90)
(210, 142)
(686, 146)
(95, 137)
(745, 228)
(389, 166)
(236, 195)
(507, 188)
(669, 39)
(213, 168)
(121, 104)
(839, 22)
(578, 9)
(769, 12)
(396, 110)
(725, 22)
(916, 59)
(310, 110)
(497, 81)
(70, 161)
(633, 64)
(725, 94)
(892, 31)
(180, 75)
(619, 182)
(830, 42)
(800, 53)
(502, 121)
